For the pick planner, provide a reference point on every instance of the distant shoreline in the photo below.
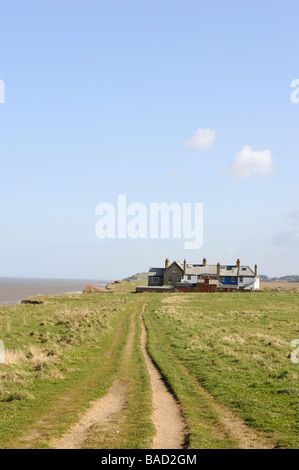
(14, 290)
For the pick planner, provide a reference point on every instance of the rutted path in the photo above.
(230, 425)
(106, 409)
(103, 410)
(167, 420)
(166, 416)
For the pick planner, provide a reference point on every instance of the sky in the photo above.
(181, 101)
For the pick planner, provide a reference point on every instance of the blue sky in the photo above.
(102, 98)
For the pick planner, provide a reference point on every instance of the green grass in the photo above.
(237, 347)
(77, 332)
(63, 354)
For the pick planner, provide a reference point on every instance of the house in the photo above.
(197, 277)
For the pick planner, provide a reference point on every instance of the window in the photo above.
(222, 278)
(174, 270)
(233, 279)
(241, 278)
(189, 277)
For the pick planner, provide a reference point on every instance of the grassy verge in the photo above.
(56, 363)
(238, 348)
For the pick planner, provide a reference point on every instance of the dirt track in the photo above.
(101, 411)
(169, 425)
(166, 416)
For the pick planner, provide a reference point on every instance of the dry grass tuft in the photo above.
(92, 289)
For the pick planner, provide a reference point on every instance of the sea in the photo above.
(13, 290)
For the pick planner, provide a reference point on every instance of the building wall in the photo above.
(174, 277)
(143, 289)
(206, 287)
(158, 281)
(196, 288)
(249, 283)
(192, 280)
(185, 288)
(229, 280)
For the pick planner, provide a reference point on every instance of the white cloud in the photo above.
(203, 139)
(249, 161)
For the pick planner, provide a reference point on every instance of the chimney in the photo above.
(204, 262)
(185, 266)
(255, 270)
(218, 271)
(238, 263)
(166, 263)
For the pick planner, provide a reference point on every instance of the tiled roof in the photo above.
(208, 270)
(246, 271)
(156, 272)
(200, 270)
(211, 270)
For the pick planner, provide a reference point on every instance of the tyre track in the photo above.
(101, 411)
(166, 413)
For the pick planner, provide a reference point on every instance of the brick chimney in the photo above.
(185, 266)
(255, 270)
(166, 263)
(204, 262)
(238, 264)
(218, 271)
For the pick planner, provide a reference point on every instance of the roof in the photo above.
(178, 263)
(211, 270)
(200, 270)
(208, 270)
(157, 272)
(229, 270)
(246, 271)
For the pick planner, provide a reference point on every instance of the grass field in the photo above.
(60, 356)
(218, 354)
(287, 286)
(238, 348)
